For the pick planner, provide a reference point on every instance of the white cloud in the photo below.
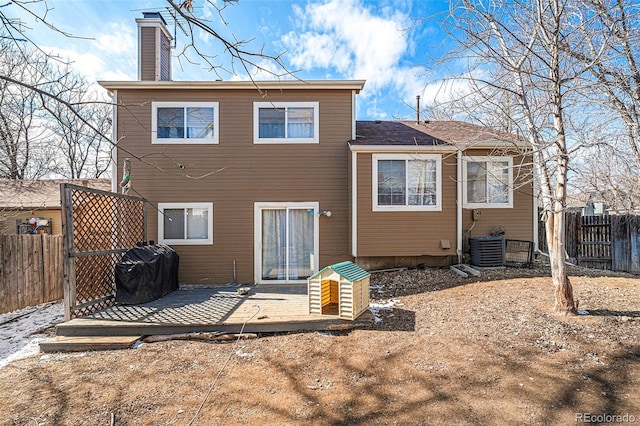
(89, 65)
(375, 112)
(351, 40)
(111, 55)
(347, 36)
(451, 88)
(118, 39)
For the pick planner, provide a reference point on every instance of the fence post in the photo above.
(69, 283)
(634, 243)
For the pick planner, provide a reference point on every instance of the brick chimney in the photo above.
(154, 48)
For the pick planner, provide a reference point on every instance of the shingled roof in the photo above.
(31, 194)
(393, 133)
(430, 133)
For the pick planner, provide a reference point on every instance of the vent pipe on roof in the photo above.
(418, 109)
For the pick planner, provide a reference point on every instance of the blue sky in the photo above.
(379, 41)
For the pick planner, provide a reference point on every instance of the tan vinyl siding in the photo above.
(236, 173)
(148, 53)
(518, 221)
(405, 233)
(165, 58)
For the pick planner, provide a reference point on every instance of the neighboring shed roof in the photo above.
(431, 133)
(39, 194)
(347, 270)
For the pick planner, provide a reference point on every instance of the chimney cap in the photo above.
(153, 15)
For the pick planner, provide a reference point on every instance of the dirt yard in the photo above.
(451, 351)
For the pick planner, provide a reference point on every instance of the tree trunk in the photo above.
(556, 225)
(563, 291)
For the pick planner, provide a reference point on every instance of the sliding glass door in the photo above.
(287, 243)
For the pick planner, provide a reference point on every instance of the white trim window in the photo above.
(285, 122)
(407, 182)
(184, 122)
(488, 182)
(185, 223)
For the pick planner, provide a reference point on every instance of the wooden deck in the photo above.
(266, 309)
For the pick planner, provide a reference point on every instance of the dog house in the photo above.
(339, 290)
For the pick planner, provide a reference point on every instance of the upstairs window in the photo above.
(407, 182)
(488, 182)
(185, 122)
(290, 122)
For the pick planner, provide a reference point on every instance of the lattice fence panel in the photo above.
(99, 228)
(102, 221)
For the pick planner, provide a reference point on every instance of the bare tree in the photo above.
(476, 103)
(81, 149)
(609, 174)
(613, 89)
(516, 51)
(24, 148)
(236, 50)
(616, 69)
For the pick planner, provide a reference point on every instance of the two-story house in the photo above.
(269, 181)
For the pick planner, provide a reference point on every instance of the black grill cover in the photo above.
(146, 273)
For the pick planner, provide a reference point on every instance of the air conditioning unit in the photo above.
(487, 252)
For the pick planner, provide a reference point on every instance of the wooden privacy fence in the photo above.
(31, 270)
(98, 228)
(602, 242)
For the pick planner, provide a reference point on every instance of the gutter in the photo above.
(401, 148)
(355, 85)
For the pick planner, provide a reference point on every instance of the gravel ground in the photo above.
(444, 350)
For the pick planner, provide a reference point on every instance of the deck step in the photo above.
(86, 327)
(87, 343)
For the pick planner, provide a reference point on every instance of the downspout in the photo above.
(459, 204)
(114, 138)
(354, 204)
(354, 182)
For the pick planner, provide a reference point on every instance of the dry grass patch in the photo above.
(452, 351)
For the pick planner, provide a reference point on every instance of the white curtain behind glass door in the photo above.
(274, 258)
(300, 244)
